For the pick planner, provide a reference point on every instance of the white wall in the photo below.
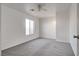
(73, 27)
(48, 28)
(13, 27)
(60, 31)
(62, 26)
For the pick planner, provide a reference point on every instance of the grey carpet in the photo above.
(40, 47)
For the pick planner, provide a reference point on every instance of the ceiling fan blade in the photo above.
(40, 7)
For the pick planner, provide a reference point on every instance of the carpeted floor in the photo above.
(40, 47)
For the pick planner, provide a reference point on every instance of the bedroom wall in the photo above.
(73, 27)
(48, 27)
(59, 30)
(13, 27)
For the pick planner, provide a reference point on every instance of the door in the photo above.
(78, 29)
(0, 29)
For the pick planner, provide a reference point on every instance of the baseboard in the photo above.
(19, 44)
(62, 41)
(46, 38)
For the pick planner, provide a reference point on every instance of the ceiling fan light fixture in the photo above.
(32, 9)
(39, 8)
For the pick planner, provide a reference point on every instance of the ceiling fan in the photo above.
(40, 7)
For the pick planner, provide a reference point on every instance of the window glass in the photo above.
(29, 27)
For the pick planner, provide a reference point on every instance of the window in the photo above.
(29, 26)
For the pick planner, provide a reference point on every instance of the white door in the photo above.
(0, 29)
(78, 29)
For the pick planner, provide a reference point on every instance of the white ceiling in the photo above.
(50, 8)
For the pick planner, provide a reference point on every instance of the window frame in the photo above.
(30, 27)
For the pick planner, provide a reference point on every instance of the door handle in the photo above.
(76, 36)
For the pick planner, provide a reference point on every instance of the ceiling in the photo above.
(47, 9)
